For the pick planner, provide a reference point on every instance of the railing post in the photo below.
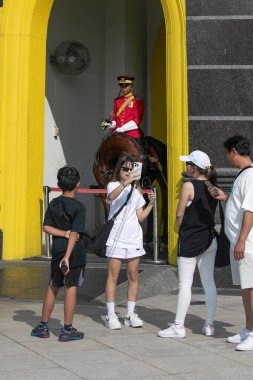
(155, 232)
(46, 190)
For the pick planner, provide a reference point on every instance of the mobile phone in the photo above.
(137, 170)
(211, 187)
(64, 267)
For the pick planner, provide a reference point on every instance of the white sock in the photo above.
(130, 306)
(110, 307)
(178, 324)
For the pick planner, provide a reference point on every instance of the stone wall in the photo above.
(220, 73)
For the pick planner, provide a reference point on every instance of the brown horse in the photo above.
(116, 145)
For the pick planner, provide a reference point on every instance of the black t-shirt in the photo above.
(75, 213)
(196, 231)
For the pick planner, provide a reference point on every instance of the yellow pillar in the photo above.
(177, 110)
(23, 30)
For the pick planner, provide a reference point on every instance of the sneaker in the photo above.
(208, 330)
(41, 331)
(238, 338)
(247, 343)
(172, 332)
(133, 320)
(112, 322)
(73, 334)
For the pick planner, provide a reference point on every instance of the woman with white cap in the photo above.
(197, 243)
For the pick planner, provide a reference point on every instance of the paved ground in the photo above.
(124, 354)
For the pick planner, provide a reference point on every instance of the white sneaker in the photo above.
(172, 332)
(247, 343)
(112, 322)
(239, 338)
(133, 320)
(208, 330)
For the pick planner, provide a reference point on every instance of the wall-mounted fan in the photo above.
(71, 57)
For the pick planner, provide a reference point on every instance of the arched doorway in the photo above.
(24, 31)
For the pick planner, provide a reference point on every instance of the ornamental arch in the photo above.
(24, 34)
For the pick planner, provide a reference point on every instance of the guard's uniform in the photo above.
(133, 111)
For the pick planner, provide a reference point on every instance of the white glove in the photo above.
(112, 125)
(129, 126)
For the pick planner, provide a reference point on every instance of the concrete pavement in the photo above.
(127, 353)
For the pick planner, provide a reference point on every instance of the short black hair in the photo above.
(68, 177)
(240, 143)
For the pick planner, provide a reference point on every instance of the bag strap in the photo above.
(121, 208)
(221, 213)
(240, 172)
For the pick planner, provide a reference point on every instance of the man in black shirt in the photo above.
(65, 221)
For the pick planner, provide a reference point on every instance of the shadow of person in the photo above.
(32, 319)
(161, 318)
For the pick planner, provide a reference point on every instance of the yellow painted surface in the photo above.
(23, 26)
(176, 105)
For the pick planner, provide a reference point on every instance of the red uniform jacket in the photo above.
(133, 111)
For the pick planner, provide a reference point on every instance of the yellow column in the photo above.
(177, 110)
(23, 28)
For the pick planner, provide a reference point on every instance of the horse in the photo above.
(116, 145)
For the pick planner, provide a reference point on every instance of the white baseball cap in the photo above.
(198, 158)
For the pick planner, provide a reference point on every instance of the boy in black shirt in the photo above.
(65, 221)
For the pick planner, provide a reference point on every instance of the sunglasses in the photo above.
(125, 169)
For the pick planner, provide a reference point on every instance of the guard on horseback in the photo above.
(127, 115)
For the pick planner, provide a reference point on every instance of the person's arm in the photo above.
(73, 238)
(187, 194)
(129, 126)
(221, 197)
(247, 225)
(143, 213)
(116, 192)
(56, 232)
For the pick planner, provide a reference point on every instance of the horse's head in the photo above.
(112, 147)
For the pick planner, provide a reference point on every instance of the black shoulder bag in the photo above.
(222, 258)
(104, 232)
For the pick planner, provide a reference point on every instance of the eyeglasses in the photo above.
(125, 169)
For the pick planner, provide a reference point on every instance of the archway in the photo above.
(24, 32)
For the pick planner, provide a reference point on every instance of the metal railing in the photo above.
(47, 190)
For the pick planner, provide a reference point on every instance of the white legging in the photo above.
(186, 268)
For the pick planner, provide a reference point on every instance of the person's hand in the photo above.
(66, 262)
(151, 197)
(111, 125)
(221, 195)
(239, 250)
(131, 178)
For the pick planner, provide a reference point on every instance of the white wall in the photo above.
(119, 37)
